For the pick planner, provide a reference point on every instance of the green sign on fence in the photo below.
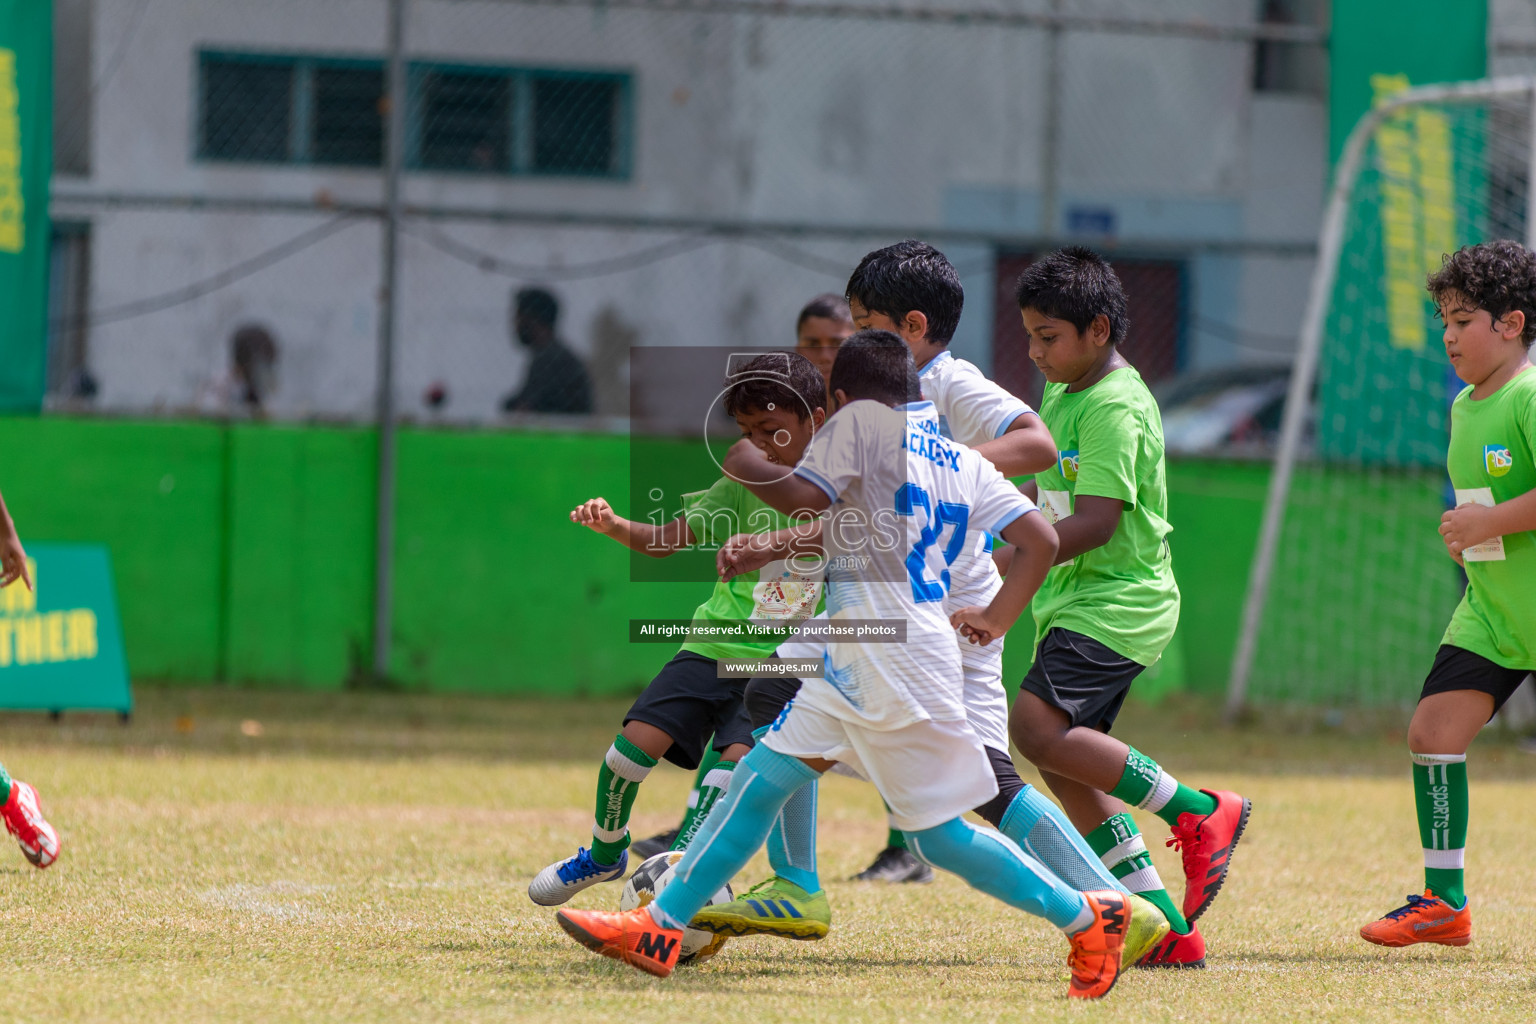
(26, 161)
(61, 647)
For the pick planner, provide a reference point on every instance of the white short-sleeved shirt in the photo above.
(972, 409)
(907, 502)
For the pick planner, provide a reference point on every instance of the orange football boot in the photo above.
(1425, 918)
(630, 936)
(1095, 956)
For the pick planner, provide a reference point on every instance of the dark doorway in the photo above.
(1155, 293)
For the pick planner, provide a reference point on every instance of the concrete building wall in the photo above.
(895, 125)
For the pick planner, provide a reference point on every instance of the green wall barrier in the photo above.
(245, 552)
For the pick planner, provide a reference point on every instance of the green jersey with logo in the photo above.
(1490, 461)
(1110, 441)
(774, 592)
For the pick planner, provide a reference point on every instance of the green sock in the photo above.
(706, 763)
(895, 839)
(5, 785)
(1119, 844)
(715, 783)
(1440, 790)
(1144, 784)
(625, 767)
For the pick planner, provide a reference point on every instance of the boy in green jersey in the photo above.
(1486, 295)
(778, 402)
(1110, 605)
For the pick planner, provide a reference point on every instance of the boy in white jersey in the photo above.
(893, 712)
(911, 289)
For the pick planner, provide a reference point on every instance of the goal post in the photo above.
(1360, 460)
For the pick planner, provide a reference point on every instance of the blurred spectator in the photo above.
(251, 378)
(823, 324)
(557, 381)
(255, 366)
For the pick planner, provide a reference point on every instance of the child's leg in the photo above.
(634, 752)
(714, 785)
(1060, 722)
(1443, 727)
(711, 758)
(759, 788)
(997, 867)
(1039, 828)
(1462, 692)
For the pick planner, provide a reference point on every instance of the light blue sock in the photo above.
(792, 842)
(994, 865)
(1040, 829)
(760, 786)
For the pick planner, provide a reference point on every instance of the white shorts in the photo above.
(928, 772)
(986, 703)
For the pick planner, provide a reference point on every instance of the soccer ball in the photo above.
(649, 879)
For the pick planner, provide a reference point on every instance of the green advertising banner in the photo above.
(61, 645)
(26, 162)
(1422, 192)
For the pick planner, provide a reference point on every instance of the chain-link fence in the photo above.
(582, 177)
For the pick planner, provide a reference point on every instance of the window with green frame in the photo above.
(520, 120)
(262, 108)
(259, 108)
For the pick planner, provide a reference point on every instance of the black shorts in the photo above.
(1008, 786)
(1457, 668)
(768, 696)
(688, 702)
(1082, 677)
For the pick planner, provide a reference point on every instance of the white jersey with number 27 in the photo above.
(907, 502)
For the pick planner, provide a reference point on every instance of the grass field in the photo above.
(365, 857)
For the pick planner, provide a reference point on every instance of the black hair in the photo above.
(1075, 284)
(876, 365)
(1497, 276)
(908, 276)
(538, 305)
(830, 306)
(787, 380)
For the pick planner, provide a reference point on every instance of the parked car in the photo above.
(1228, 411)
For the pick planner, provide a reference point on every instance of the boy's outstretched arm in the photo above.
(646, 538)
(1026, 447)
(1469, 525)
(777, 487)
(13, 560)
(1034, 545)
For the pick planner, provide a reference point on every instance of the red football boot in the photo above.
(24, 820)
(1207, 845)
(1177, 951)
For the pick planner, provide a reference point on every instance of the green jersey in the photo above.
(1110, 445)
(774, 592)
(1491, 461)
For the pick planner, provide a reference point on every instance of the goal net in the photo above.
(1351, 588)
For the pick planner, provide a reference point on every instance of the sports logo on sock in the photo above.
(1067, 463)
(1498, 459)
